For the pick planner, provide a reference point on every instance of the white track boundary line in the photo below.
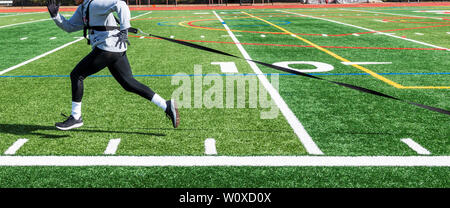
(293, 121)
(52, 51)
(192, 161)
(40, 56)
(387, 34)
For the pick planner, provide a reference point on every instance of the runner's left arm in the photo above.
(75, 23)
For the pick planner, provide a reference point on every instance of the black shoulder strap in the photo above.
(86, 26)
(101, 28)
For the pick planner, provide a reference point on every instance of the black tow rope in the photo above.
(354, 87)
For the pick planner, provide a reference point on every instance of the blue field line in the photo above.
(192, 75)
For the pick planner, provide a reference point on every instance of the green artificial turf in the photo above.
(340, 121)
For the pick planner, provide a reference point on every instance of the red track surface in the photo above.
(44, 9)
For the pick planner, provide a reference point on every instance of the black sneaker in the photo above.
(172, 112)
(69, 123)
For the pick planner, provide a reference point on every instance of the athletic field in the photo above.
(242, 124)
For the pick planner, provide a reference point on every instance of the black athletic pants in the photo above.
(118, 65)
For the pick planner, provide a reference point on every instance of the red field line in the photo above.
(302, 46)
(284, 6)
(282, 33)
(411, 28)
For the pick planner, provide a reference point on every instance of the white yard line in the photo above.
(364, 63)
(210, 147)
(19, 14)
(226, 67)
(293, 121)
(191, 161)
(403, 15)
(141, 15)
(16, 146)
(111, 149)
(367, 29)
(40, 20)
(4, 26)
(415, 146)
(38, 57)
(49, 52)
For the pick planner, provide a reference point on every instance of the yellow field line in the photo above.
(390, 82)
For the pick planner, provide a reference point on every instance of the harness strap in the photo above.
(101, 28)
(86, 26)
(104, 28)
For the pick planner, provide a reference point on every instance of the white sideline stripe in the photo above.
(403, 15)
(230, 36)
(293, 121)
(210, 147)
(38, 57)
(364, 63)
(378, 20)
(111, 149)
(190, 161)
(24, 23)
(387, 34)
(141, 15)
(415, 146)
(20, 14)
(52, 51)
(16, 146)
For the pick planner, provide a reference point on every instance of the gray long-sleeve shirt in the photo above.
(100, 14)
